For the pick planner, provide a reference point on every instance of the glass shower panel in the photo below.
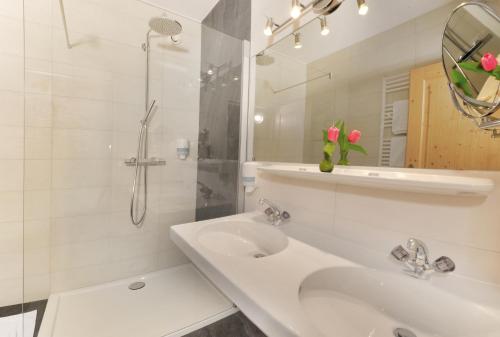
(85, 99)
(11, 166)
(220, 120)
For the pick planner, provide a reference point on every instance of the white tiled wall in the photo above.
(280, 136)
(83, 107)
(465, 229)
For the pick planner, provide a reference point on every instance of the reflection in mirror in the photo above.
(379, 75)
(471, 47)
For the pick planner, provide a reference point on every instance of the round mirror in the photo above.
(471, 59)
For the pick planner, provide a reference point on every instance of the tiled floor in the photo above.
(234, 325)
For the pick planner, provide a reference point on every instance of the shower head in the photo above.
(326, 7)
(165, 26)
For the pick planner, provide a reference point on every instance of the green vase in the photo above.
(343, 158)
(327, 164)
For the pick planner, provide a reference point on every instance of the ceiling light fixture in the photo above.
(296, 10)
(362, 7)
(297, 43)
(268, 31)
(324, 26)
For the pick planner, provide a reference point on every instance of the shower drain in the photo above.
(400, 332)
(137, 285)
(259, 255)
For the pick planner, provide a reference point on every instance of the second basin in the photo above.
(360, 302)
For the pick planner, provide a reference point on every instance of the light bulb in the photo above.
(296, 10)
(297, 43)
(362, 7)
(258, 118)
(268, 31)
(324, 26)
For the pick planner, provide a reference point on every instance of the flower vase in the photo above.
(343, 158)
(327, 164)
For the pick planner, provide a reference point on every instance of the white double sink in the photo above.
(289, 288)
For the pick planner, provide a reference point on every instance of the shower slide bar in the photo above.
(65, 24)
(329, 75)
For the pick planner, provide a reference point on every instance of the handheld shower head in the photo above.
(165, 26)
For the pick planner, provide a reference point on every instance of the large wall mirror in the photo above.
(381, 74)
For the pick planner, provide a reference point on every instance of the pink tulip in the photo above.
(354, 136)
(489, 62)
(333, 134)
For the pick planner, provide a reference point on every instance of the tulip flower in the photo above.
(333, 134)
(354, 136)
(489, 62)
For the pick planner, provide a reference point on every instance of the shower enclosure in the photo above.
(73, 100)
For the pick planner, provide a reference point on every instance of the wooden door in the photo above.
(438, 136)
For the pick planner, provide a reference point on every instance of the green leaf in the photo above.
(357, 148)
(478, 68)
(325, 136)
(472, 66)
(496, 73)
(329, 148)
(460, 81)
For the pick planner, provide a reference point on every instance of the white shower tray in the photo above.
(173, 303)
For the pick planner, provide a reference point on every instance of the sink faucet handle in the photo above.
(269, 211)
(400, 254)
(444, 265)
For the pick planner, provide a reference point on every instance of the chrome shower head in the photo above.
(326, 7)
(165, 26)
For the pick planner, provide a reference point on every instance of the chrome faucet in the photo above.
(274, 214)
(416, 258)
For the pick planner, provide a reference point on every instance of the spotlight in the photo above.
(297, 43)
(324, 26)
(210, 71)
(258, 118)
(268, 31)
(362, 7)
(296, 10)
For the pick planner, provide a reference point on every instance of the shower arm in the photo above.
(65, 24)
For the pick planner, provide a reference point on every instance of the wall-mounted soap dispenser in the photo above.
(249, 175)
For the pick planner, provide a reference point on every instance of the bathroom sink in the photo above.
(243, 239)
(360, 302)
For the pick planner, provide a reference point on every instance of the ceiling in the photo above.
(348, 28)
(193, 9)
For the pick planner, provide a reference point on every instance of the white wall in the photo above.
(280, 137)
(375, 221)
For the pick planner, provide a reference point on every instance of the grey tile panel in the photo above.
(232, 17)
(237, 325)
